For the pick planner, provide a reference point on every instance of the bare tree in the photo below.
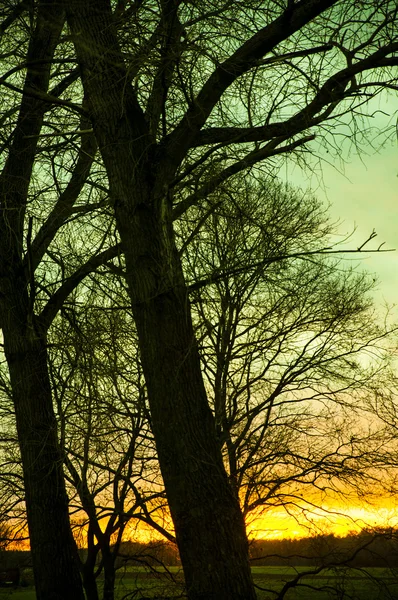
(34, 283)
(111, 465)
(291, 348)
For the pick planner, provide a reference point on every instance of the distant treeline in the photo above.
(369, 548)
(376, 548)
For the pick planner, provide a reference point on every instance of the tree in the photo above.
(24, 335)
(290, 348)
(33, 285)
(111, 466)
(110, 462)
(162, 112)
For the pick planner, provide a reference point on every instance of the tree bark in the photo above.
(88, 569)
(90, 584)
(108, 562)
(210, 529)
(54, 554)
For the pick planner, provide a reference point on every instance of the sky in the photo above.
(365, 198)
(338, 519)
(362, 191)
(278, 523)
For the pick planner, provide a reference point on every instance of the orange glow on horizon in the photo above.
(278, 523)
(337, 520)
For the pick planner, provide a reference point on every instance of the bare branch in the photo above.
(64, 206)
(271, 149)
(13, 16)
(186, 133)
(56, 301)
(48, 98)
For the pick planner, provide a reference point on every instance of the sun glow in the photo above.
(339, 520)
(278, 523)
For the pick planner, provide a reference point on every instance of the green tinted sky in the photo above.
(367, 198)
(362, 191)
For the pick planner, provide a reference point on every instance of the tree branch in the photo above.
(327, 250)
(249, 160)
(247, 56)
(64, 206)
(56, 301)
(32, 93)
(332, 91)
(171, 30)
(13, 16)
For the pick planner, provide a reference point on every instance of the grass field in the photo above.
(369, 584)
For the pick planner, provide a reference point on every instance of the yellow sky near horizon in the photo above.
(279, 524)
(315, 513)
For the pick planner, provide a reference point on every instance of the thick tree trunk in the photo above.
(109, 575)
(209, 526)
(54, 553)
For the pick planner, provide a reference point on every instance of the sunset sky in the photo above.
(363, 195)
(277, 523)
(339, 520)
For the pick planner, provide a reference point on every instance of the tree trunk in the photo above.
(108, 561)
(209, 526)
(54, 553)
(90, 585)
(210, 529)
(88, 571)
